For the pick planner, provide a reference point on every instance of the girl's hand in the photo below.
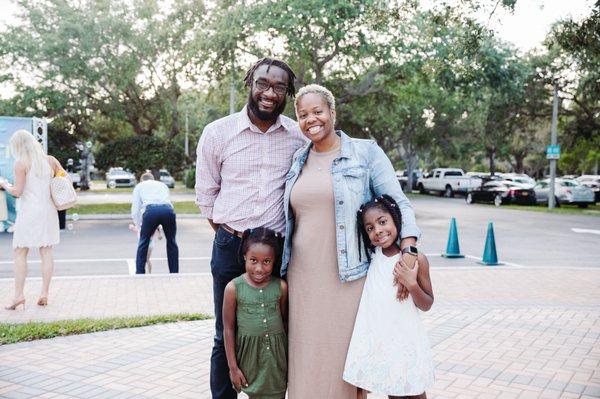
(405, 275)
(402, 292)
(237, 379)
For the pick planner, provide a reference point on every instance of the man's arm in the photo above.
(208, 175)
(136, 206)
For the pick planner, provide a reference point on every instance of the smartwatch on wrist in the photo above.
(410, 250)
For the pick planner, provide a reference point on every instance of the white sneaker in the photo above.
(11, 229)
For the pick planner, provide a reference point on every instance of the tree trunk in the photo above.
(520, 163)
(411, 165)
(491, 153)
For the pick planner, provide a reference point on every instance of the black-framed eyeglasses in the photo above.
(263, 85)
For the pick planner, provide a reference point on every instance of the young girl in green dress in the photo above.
(254, 315)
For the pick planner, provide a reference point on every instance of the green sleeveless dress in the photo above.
(261, 341)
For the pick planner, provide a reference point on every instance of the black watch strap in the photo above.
(411, 249)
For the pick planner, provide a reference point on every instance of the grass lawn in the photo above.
(99, 186)
(94, 209)
(20, 332)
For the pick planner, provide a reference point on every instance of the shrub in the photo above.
(139, 153)
(190, 178)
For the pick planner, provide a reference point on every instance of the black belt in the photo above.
(231, 231)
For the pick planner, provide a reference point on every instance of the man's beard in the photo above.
(265, 116)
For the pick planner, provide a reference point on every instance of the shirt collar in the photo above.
(244, 123)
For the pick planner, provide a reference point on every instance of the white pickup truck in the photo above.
(447, 182)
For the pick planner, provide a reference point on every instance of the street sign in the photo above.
(553, 152)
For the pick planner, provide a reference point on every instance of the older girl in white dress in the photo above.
(389, 352)
(36, 225)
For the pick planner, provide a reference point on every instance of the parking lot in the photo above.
(523, 238)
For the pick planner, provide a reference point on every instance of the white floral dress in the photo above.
(389, 352)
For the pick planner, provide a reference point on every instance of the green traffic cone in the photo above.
(453, 249)
(490, 257)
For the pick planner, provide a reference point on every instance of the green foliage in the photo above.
(189, 178)
(22, 332)
(62, 144)
(124, 60)
(139, 153)
(180, 207)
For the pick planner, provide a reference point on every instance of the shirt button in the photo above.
(262, 305)
(266, 335)
(341, 202)
(264, 320)
(341, 227)
(343, 251)
(267, 348)
(260, 291)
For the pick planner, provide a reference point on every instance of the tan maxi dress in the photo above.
(322, 309)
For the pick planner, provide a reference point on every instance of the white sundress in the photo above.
(37, 218)
(389, 352)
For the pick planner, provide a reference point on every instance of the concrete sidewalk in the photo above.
(496, 332)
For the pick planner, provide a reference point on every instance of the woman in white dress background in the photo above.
(36, 225)
(389, 351)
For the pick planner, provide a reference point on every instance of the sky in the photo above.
(527, 27)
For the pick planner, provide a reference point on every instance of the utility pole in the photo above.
(555, 154)
(187, 142)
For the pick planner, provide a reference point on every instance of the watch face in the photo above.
(413, 250)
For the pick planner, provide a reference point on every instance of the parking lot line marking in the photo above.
(10, 262)
(131, 266)
(588, 231)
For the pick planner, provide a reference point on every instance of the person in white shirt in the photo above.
(151, 207)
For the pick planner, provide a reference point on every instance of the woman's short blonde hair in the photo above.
(316, 89)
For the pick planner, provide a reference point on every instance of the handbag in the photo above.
(3, 206)
(62, 191)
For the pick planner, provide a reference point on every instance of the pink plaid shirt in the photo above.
(240, 171)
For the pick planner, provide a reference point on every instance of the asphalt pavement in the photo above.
(523, 239)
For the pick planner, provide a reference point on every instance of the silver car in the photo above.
(566, 191)
(593, 182)
(166, 178)
(118, 177)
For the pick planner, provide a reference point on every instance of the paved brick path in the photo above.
(503, 332)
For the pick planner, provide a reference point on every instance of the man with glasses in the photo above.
(242, 161)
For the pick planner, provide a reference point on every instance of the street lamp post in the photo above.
(553, 140)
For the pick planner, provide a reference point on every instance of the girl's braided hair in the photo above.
(387, 204)
(262, 235)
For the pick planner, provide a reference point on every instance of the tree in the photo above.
(124, 60)
(575, 48)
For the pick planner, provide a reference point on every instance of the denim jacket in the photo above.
(361, 172)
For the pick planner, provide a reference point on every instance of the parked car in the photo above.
(402, 176)
(501, 192)
(593, 182)
(447, 182)
(520, 178)
(75, 179)
(118, 177)
(166, 178)
(566, 191)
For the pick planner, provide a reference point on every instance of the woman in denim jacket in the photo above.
(328, 181)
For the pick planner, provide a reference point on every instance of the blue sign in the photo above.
(553, 152)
